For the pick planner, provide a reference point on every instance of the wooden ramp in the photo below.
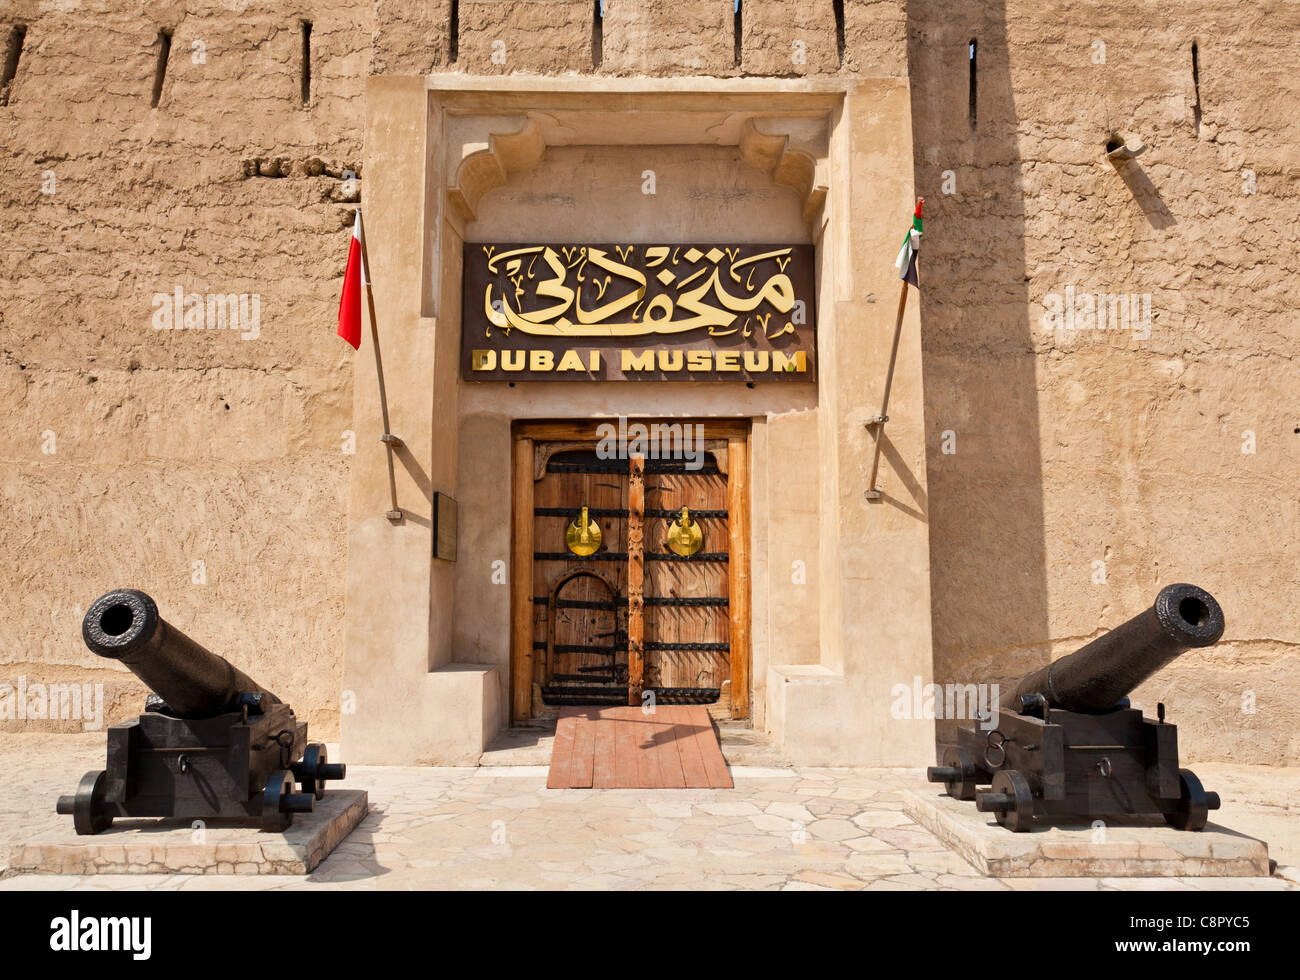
(624, 748)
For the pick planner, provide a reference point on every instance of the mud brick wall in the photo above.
(1093, 467)
(132, 453)
(1072, 473)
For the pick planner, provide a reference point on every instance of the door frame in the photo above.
(523, 436)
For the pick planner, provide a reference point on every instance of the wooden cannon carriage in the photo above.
(1071, 746)
(212, 743)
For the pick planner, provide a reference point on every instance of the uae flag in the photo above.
(350, 301)
(911, 245)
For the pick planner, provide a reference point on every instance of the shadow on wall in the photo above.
(987, 558)
(1144, 192)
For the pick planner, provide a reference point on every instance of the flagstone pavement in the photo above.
(500, 827)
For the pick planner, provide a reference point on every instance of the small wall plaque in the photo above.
(444, 527)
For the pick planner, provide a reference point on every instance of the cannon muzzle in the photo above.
(124, 625)
(1095, 677)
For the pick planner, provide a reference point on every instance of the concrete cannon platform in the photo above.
(1139, 848)
(149, 846)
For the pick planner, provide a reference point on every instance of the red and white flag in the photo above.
(350, 301)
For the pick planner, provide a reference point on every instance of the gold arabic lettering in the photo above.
(707, 302)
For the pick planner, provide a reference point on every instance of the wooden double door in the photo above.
(633, 616)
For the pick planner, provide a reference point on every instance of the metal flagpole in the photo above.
(389, 440)
(877, 425)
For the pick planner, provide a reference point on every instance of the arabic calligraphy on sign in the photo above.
(585, 299)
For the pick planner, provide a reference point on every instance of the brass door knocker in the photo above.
(583, 536)
(685, 536)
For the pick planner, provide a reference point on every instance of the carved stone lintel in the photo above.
(484, 149)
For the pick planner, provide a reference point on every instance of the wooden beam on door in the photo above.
(635, 578)
(738, 571)
(521, 583)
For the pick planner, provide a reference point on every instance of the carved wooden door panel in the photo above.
(607, 622)
(580, 606)
(687, 635)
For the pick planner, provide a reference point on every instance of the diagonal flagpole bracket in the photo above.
(389, 440)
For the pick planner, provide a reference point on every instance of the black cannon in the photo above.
(212, 743)
(1070, 746)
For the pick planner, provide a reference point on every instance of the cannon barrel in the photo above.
(1096, 676)
(124, 625)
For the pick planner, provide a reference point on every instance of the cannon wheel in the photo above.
(1019, 817)
(274, 817)
(308, 771)
(960, 759)
(1193, 809)
(88, 814)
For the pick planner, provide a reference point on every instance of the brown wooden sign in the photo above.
(638, 312)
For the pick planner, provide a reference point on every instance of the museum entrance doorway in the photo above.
(630, 576)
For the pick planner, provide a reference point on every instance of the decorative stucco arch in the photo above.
(792, 149)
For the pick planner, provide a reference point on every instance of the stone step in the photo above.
(524, 746)
(744, 746)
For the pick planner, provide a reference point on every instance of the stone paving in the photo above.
(500, 827)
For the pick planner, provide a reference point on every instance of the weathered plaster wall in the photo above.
(1070, 449)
